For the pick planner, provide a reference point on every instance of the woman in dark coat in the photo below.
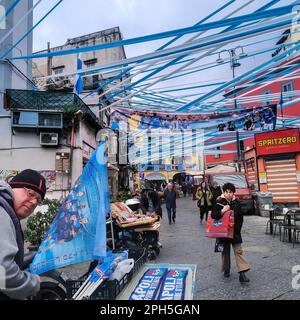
(150, 202)
(227, 201)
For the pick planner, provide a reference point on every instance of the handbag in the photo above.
(220, 228)
(199, 202)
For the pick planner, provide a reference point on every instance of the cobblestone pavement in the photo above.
(271, 260)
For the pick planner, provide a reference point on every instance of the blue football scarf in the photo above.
(173, 286)
(149, 284)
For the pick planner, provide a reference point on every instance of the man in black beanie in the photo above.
(18, 200)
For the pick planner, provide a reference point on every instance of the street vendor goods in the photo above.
(220, 228)
(149, 284)
(122, 213)
(102, 272)
(173, 286)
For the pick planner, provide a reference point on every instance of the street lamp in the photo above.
(234, 64)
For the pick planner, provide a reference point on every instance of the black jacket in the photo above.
(238, 217)
(156, 203)
(170, 198)
(216, 192)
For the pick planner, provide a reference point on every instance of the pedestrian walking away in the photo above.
(18, 199)
(184, 188)
(204, 197)
(227, 201)
(170, 198)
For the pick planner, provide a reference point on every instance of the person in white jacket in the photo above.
(18, 200)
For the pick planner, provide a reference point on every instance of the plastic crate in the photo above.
(109, 289)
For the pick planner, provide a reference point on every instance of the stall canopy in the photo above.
(155, 176)
(220, 168)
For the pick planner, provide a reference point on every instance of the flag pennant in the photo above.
(78, 232)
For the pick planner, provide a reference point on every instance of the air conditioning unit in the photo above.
(49, 138)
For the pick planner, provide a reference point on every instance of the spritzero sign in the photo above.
(274, 142)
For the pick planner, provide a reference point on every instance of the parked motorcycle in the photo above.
(53, 285)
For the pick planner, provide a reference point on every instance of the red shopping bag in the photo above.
(220, 228)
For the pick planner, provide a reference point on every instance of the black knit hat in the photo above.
(30, 179)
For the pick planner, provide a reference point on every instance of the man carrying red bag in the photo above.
(227, 201)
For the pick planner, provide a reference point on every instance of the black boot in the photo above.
(243, 277)
(226, 273)
(174, 220)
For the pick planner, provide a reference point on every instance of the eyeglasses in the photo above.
(33, 195)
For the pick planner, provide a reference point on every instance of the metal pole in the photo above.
(112, 231)
(281, 102)
(232, 59)
(71, 154)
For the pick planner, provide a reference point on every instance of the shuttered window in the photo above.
(282, 180)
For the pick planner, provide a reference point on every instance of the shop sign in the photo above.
(275, 142)
(263, 177)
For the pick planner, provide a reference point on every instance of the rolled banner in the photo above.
(149, 284)
(173, 287)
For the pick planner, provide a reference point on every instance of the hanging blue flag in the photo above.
(168, 167)
(156, 167)
(143, 167)
(78, 232)
(78, 83)
(181, 167)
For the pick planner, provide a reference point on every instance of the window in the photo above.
(50, 120)
(57, 71)
(266, 100)
(90, 63)
(31, 119)
(288, 87)
(25, 119)
(217, 155)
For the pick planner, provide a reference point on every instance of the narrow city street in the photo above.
(271, 260)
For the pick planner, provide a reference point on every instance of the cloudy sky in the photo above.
(142, 17)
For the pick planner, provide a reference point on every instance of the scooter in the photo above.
(52, 286)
